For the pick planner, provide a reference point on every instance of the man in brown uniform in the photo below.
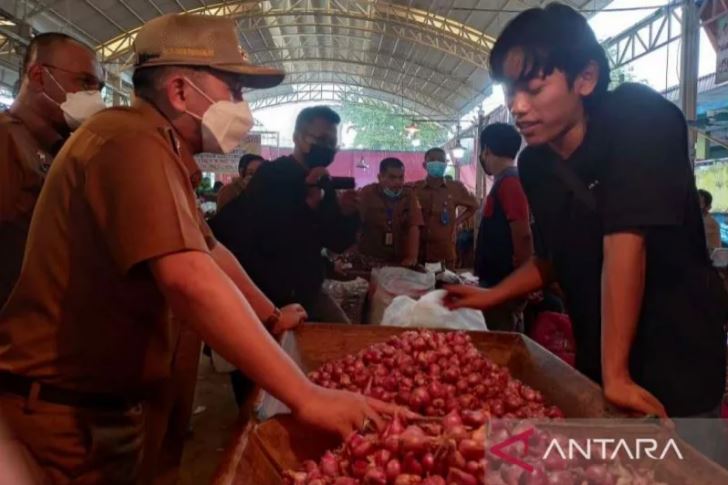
(117, 242)
(248, 165)
(391, 217)
(440, 199)
(59, 76)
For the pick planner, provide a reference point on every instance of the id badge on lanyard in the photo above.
(445, 215)
(389, 235)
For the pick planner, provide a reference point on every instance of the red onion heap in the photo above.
(428, 453)
(445, 451)
(434, 373)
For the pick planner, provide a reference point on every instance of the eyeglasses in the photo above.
(89, 82)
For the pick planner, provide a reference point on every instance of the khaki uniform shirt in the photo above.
(381, 216)
(712, 232)
(439, 200)
(86, 313)
(230, 192)
(23, 165)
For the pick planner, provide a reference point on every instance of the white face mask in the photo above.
(224, 124)
(78, 106)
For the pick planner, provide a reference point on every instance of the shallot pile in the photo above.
(452, 451)
(551, 468)
(437, 452)
(434, 373)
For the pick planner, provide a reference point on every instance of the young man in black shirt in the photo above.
(612, 191)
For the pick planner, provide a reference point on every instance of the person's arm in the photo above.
(225, 195)
(713, 226)
(200, 294)
(641, 191)
(514, 202)
(466, 214)
(415, 220)
(276, 320)
(533, 275)
(522, 241)
(468, 201)
(260, 303)
(623, 285)
(412, 247)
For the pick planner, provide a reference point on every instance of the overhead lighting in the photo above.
(458, 152)
(412, 129)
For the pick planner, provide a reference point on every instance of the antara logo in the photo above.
(595, 448)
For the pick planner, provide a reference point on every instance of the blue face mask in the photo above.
(436, 169)
(392, 194)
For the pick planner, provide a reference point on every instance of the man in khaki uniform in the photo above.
(55, 68)
(248, 165)
(117, 242)
(440, 200)
(391, 217)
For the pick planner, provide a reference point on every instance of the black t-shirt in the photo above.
(632, 172)
(494, 250)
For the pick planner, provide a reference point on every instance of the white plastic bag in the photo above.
(403, 281)
(390, 282)
(428, 312)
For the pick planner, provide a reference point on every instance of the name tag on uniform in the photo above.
(388, 239)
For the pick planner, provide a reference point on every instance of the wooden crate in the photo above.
(285, 444)
(265, 450)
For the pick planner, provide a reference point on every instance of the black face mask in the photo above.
(319, 156)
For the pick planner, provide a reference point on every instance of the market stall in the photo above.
(273, 445)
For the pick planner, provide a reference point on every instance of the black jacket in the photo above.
(278, 238)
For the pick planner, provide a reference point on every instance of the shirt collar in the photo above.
(165, 128)
(435, 182)
(506, 173)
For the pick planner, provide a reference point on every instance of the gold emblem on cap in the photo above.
(188, 51)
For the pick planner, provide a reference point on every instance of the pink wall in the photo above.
(469, 175)
(345, 164)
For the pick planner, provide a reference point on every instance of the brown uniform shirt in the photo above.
(86, 313)
(230, 192)
(381, 216)
(23, 165)
(439, 201)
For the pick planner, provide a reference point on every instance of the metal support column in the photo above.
(480, 174)
(480, 182)
(690, 52)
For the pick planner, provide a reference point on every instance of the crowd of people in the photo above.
(101, 236)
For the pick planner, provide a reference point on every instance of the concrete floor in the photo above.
(211, 429)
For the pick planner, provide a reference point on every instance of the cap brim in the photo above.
(259, 77)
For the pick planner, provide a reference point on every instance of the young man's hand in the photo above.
(625, 393)
(343, 412)
(464, 296)
(314, 194)
(316, 174)
(291, 317)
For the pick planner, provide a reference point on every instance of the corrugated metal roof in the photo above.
(429, 56)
